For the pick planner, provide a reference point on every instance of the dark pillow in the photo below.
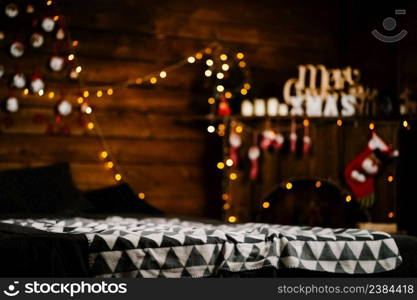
(42, 191)
(118, 199)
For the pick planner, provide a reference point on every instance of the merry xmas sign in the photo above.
(318, 91)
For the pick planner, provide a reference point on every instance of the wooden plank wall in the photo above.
(125, 38)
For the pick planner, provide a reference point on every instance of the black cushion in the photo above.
(118, 199)
(41, 191)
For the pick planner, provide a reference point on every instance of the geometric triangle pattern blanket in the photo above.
(172, 248)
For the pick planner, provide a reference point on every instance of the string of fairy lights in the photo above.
(212, 55)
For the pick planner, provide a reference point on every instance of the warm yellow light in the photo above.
(138, 80)
(110, 92)
(339, 123)
(266, 204)
(239, 129)
(247, 86)
(225, 197)
(372, 126)
(228, 95)
(211, 100)
(88, 110)
(163, 74)
(75, 43)
(226, 206)
(232, 219)
(109, 165)
(208, 73)
(232, 176)
(288, 186)
(390, 178)
(40, 93)
(211, 129)
(49, 2)
(242, 64)
(229, 162)
(240, 55)
(104, 154)
(80, 100)
(220, 88)
(51, 95)
(191, 59)
(25, 91)
(141, 196)
(71, 57)
(209, 62)
(306, 123)
(222, 127)
(78, 69)
(153, 80)
(391, 215)
(86, 94)
(90, 125)
(223, 57)
(208, 50)
(220, 75)
(199, 55)
(225, 67)
(220, 165)
(348, 198)
(118, 177)
(405, 124)
(56, 18)
(99, 94)
(243, 91)
(318, 184)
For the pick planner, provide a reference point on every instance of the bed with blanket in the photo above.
(41, 241)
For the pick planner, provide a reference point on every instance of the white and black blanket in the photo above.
(161, 247)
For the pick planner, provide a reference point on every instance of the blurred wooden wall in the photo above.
(125, 38)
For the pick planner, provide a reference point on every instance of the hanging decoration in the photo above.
(361, 171)
(293, 136)
(306, 137)
(254, 153)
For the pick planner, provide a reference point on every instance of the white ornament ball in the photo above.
(12, 104)
(19, 80)
(37, 85)
(17, 49)
(36, 40)
(12, 10)
(64, 108)
(48, 24)
(56, 63)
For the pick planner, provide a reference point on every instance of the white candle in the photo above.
(260, 109)
(272, 107)
(246, 108)
(283, 110)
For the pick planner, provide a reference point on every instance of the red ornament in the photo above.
(235, 142)
(224, 108)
